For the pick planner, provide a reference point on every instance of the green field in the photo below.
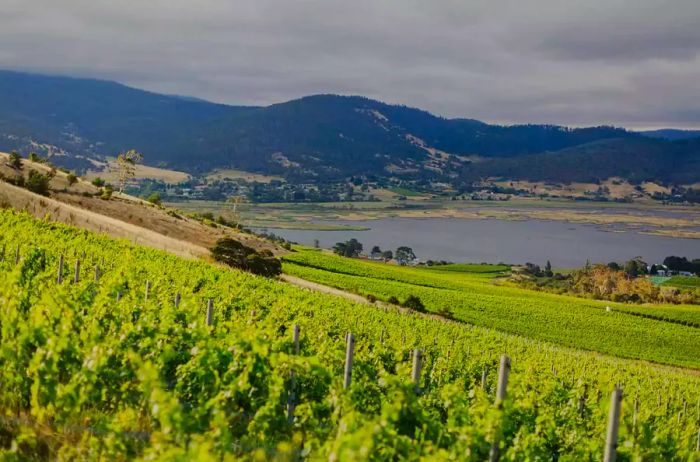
(683, 282)
(659, 333)
(97, 370)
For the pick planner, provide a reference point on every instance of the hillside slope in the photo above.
(121, 216)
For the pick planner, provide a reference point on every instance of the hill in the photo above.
(83, 204)
(322, 137)
(672, 134)
(636, 160)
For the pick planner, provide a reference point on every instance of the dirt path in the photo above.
(324, 289)
(299, 282)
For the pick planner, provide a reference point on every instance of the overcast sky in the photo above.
(634, 63)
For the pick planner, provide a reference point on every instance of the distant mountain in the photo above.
(637, 160)
(322, 137)
(671, 134)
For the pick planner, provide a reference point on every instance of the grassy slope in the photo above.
(626, 331)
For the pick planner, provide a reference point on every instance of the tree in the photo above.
(233, 253)
(376, 249)
(351, 248)
(387, 255)
(678, 263)
(548, 270)
(126, 166)
(404, 255)
(414, 303)
(38, 183)
(15, 160)
(317, 244)
(631, 269)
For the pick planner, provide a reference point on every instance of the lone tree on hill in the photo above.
(126, 166)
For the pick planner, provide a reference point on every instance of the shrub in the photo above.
(15, 160)
(72, 179)
(446, 313)
(99, 182)
(154, 198)
(37, 183)
(414, 303)
(107, 192)
(234, 254)
(393, 300)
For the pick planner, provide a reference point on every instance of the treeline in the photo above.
(615, 282)
(353, 248)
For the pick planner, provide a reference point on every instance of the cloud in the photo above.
(576, 63)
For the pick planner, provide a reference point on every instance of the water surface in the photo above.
(494, 241)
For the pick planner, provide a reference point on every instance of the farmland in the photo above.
(102, 367)
(656, 333)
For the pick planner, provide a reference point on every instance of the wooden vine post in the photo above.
(97, 273)
(613, 426)
(582, 401)
(76, 275)
(2, 255)
(210, 312)
(177, 300)
(503, 373)
(349, 352)
(291, 400)
(417, 366)
(59, 278)
(17, 255)
(148, 291)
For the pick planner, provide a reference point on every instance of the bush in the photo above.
(15, 160)
(154, 198)
(414, 303)
(393, 300)
(37, 183)
(72, 179)
(34, 157)
(234, 254)
(107, 192)
(99, 182)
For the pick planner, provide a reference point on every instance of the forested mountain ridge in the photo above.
(315, 137)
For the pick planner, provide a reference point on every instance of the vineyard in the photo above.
(130, 353)
(666, 334)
